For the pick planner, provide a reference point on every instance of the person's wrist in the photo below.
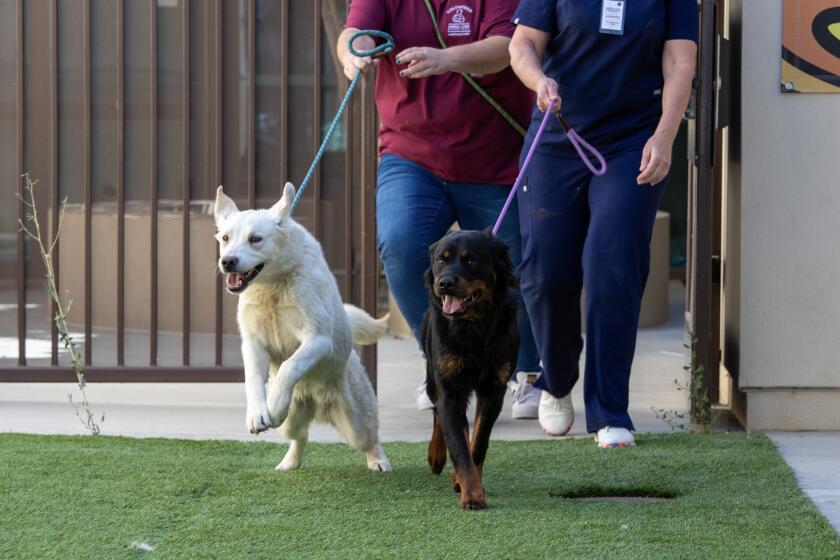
(346, 58)
(666, 135)
(448, 62)
(668, 128)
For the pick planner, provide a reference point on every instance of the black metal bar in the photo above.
(284, 93)
(125, 374)
(249, 141)
(369, 266)
(217, 115)
(316, 119)
(54, 185)
(348, 203)
(120, 116)
(153, 185)
(705, 354)
(21, 236)
(185, 216)
(86, 181)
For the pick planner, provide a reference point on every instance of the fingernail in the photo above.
(398, 61)
(402, 73)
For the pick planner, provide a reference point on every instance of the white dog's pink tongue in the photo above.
(234, 280)
(451, 304)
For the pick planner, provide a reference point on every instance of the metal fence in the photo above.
(135, 110)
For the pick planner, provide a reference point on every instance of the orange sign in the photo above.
(811, 46)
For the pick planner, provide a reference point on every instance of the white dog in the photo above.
(296, 335)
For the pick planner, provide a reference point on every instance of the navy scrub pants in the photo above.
(581, 230)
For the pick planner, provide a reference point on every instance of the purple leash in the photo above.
(580, 145)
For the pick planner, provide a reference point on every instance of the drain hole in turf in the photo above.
(629, 495)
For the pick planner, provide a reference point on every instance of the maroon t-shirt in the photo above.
(441, 122)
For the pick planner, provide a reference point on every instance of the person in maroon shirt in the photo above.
(446, 155)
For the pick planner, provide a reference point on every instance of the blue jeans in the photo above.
(414, 209)
(579, 230)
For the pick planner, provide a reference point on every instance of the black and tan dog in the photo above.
(471, 342)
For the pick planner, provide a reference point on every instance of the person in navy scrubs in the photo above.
(620, 72)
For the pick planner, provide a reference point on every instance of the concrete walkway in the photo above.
(217, 410)
(815, 458)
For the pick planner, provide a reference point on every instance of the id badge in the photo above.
(612, 17)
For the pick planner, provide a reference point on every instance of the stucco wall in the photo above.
(790, 222)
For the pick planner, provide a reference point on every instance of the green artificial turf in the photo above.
(98, 497)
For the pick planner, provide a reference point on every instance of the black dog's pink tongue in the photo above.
(234, 280)
(451, 304)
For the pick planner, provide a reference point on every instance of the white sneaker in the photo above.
(526, 397)
(609, 438)
(556, 415)
(423, 400)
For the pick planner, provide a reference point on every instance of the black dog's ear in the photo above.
(505, 277)
(433, 248)
(429, 278)
(429, 275)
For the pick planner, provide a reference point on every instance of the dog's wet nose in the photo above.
(446, 282)
(229, 263)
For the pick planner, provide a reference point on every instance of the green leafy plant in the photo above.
(698, 394)
(674, 419)
(32, 228)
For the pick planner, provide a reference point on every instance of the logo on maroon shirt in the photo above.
(459, 25)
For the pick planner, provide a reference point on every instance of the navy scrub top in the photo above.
(610, 85)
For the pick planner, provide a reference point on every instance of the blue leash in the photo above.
(379, 50)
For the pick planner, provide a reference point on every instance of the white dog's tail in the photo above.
(366, 329)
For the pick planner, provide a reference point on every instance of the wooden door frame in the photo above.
(704, 213)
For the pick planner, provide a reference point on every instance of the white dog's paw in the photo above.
(258, 420)
(293, 458)
(288, 464)
(377, 461)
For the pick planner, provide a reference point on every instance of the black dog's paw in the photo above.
(473, 503)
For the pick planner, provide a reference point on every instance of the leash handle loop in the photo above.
(378, 50)
(582, 146)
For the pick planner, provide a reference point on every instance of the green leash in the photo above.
(379, 50)
(481, 91)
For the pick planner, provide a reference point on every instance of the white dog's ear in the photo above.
(225, 207)
(281, 209)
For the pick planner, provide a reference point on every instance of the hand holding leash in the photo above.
(547, 95)
(375, 52)
(579, 143)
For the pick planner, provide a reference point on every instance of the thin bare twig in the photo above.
(45, 249)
